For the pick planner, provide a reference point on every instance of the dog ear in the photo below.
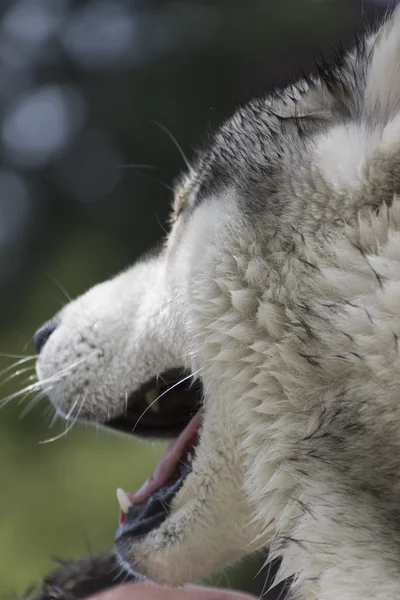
(355, 153)
(381, 102)
(363, 83)
(80, 579)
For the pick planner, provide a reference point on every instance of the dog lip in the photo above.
(144, 517)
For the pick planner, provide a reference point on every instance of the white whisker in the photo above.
(21, 400)
(60, 287)
(17, 373)
(30, 378)
(54, 420)
(33, 387)
(61, 435)
(163, 394)
(31, 404)
(176, 143)
(17, 364)
(126, 404)
(3, 355)
(69, 426)
(71, 410)
(44, 382)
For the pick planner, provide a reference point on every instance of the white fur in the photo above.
(292, 321)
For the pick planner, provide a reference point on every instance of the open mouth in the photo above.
(162, 407)
(169, 406)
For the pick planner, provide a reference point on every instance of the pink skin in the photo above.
(168, 463)
(148, 591)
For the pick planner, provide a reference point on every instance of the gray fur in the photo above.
(279, 287)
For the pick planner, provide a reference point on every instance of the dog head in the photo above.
(177, 346)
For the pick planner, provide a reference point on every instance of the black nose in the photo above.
(43, 333)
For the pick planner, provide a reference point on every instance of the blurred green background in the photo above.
(87, 93)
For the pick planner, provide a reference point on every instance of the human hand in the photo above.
(150, 591)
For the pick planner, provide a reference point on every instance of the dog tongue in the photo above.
(169, 462)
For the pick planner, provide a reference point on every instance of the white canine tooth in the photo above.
(123, 500)
(189, 457)
(151, 399)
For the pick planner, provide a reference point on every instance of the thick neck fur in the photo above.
(305, 347)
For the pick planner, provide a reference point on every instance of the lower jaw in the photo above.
(144, 517)
(152, 504)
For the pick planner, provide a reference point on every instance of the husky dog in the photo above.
(264, 340)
